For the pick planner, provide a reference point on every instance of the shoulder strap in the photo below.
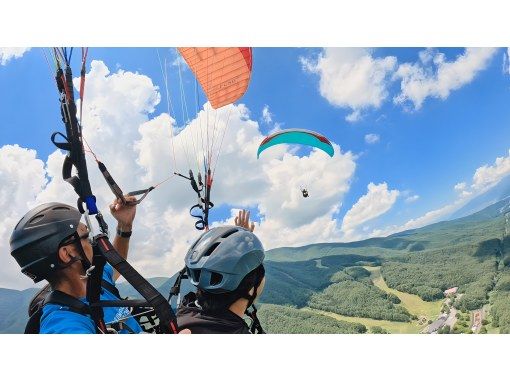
(57, 297)
(38, 299)
(74, 304)
(167, 319)
(33, 325)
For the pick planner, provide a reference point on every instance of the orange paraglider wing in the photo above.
(223, 73)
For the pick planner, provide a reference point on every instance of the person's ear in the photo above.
(64, 254)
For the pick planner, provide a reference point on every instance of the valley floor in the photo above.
(389, 326)
(415, 305)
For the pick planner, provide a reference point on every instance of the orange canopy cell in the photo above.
(223, 73)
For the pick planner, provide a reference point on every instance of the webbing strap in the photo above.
(168, 321)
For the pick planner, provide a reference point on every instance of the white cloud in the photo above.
(506, 61)
(351, 78)
(22, 177)
(6, 54)
(266, 115)
(434, 76)
(484, 178)
(138, 151)
(488, 176)
(377, 201)
(371, 138)
(424, 220)
(412, 198)
(354, 116)
(326, 179)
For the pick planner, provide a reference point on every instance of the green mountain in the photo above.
(13, 309)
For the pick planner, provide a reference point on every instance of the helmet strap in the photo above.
(82, 256)
(251, 297)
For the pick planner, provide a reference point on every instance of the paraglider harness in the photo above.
(255, 327)
(103, 250)
(305, 193)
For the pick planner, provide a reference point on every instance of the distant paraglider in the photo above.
(297, 136)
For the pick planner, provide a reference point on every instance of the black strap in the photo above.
(116, 190)
(168, 321)
(255, 327)
(111, 288)
(57, 297)
(73, 144)
(94, 288)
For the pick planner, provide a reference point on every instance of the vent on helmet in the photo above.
(195, 275)
(60, 208)
(211, 249)
(216, 278)
(228, 233)
(36, 218)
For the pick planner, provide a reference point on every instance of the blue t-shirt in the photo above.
(58, 319)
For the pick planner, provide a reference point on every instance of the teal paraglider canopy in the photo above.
(297, 136)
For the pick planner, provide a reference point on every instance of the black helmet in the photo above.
(219, 260)
(37, 236)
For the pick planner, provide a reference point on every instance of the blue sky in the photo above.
(452, 121)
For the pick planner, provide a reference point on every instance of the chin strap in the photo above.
(255, 326)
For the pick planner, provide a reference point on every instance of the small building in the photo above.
(437, 324)
(451, 291)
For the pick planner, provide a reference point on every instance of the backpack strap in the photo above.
(57, 297)
(74, 304)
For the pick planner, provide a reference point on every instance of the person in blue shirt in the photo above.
(50, 243)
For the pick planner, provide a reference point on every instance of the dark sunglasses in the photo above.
(74, 239)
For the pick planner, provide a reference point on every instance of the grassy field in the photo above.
(414, 304)
(390, 326)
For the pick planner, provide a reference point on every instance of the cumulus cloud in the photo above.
(326, 179)
(377, 201)
(6, 54)
(372, 138)
(434, 76)
(141, 149)
(266, 115)
(488, 176)
(352, 78)
(22, 177)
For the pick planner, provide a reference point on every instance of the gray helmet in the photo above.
(219, 260)
(37, 237)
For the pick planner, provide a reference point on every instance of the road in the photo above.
(452, 318)
(477, 320)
